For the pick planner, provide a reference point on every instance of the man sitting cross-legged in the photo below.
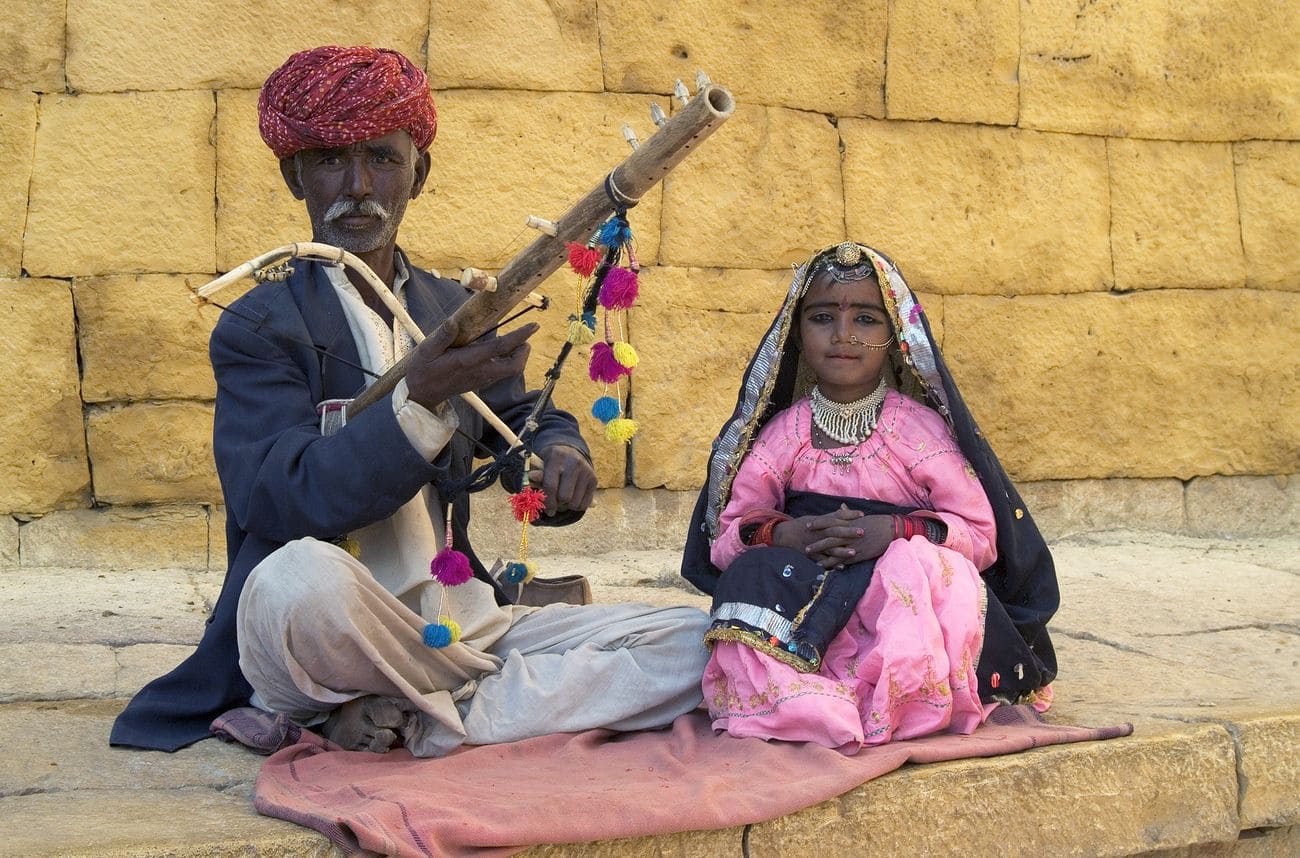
(304, 628)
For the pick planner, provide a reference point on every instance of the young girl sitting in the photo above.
(874, 572)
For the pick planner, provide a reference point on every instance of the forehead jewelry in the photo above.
(847, 265)
(848, 422)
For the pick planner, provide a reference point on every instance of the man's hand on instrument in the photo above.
(439, 371)
(567, 478)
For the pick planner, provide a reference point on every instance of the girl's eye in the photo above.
(864, 319)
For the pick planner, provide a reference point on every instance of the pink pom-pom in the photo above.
(619, 290)
(583, 259)
(451, 567)
(528, 504)
(605, 368)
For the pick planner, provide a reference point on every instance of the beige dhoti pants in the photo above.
(317, 630)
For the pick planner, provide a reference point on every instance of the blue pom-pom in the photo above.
(515, 573)
(437, 635)
(606, 409)
(614, 233)
(589, 319)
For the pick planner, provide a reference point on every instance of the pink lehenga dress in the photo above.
(928, 637)
(904, 664)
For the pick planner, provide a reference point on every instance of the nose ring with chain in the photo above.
(876, 347)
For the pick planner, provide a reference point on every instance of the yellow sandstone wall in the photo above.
(1099, 202)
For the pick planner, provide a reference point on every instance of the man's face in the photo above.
(356, 195)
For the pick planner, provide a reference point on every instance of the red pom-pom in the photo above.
(605, 368)
(528, 504)
(583, 259)
(619, 290)
(451, 567)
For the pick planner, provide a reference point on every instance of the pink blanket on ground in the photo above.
(494, 800)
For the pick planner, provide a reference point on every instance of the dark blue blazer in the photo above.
(282, 481)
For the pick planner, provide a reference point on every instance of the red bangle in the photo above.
(762, 522)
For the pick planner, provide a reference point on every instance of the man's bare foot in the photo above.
(371, 723)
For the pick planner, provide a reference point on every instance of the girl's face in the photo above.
(839, 323)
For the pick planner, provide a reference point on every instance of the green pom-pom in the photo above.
(579, 332)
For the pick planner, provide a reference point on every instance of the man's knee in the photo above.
(305, 577)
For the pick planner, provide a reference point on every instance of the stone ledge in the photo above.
(1172, 790)
(1204, 671)
(193, 536)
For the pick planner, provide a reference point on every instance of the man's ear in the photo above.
(423, 163)
(292, 176)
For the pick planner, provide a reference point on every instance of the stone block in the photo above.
(1151, 384)
(255, 211)
(1174, 220)
(1108, 798)
(980, 210)
(502, 156)
(682, 844)
(823, 56)
(1268, 195)
(141, 338)
(1243, 505)
(620, 519)
(42, 440)
(517, 44)
(144, 537)
(1268, 843)
(8, 540)
(59, 671)
(1201, 70)
(762, 192)
(103, 202)
(56, 671)
(139, 664)
(153, 453)
(207, 44)
(115, 606)
(955, 60)
(695, 334)
(74, 754)
(17, 139)
(1270, 771)
(189, 822)
(1064, 507)
(32, 33)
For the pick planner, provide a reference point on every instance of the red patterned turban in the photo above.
(330, 97)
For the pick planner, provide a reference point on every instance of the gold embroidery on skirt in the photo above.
(903, 596)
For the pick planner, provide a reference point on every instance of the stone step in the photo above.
(1195, 641)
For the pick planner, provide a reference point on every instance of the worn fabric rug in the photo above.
(494, 800)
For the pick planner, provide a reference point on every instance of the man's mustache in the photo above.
(350, 208)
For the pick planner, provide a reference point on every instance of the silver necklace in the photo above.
(847, 422)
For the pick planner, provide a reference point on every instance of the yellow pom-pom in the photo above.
(621, 429)
(452, 626)
(351, 546)
(580, 334)
(626, 355)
